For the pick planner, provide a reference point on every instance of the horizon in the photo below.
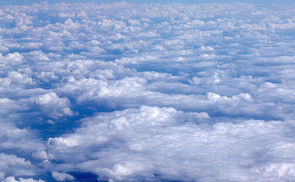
(29, 2)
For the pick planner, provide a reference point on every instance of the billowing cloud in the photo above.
(12, 179)
(12, 165)
(62, 176)
(161, 143)
(147, 92)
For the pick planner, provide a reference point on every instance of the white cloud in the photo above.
(12, 165)
(151, 140)
(147, 92)
(12, 179)
(13, 138)
(52, 105)
(62, 176)
(11, 59)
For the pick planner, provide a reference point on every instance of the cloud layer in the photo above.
(147, 92)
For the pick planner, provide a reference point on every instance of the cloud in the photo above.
(62, 176)
(151, 143)
(52, 105)
(12, 165)
(147, 92)
(15, 138)
(12, 59)
(12, 179)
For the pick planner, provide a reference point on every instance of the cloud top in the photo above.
(146, 92)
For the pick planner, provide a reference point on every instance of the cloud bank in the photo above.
(147, 92)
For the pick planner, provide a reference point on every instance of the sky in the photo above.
(17, 2)
(124, 92)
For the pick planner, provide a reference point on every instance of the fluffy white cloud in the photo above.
(12, 165)
(20, 139)
(62, 176)
(52, 105)
(150, 143)
(147, 92)
(11, 59)
(12, 179)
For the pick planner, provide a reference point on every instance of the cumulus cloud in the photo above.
(52, 105)
(12, 165)
(12, 179)
(62, 176)
(152, 143)
(12, 59)
(147, 92)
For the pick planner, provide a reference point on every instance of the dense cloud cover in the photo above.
(126, 92)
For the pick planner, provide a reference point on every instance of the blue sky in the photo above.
(18, 2)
